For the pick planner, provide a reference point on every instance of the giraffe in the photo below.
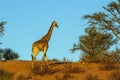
(42, 44)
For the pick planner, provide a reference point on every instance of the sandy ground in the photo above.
(60, 71)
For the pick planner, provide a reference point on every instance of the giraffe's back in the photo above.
(39, 45)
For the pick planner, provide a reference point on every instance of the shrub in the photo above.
(20, 76)
(65, 60)
(1, 54)
(108, 61)
(9, 54)
(69, 68)
(5, 75)
(54, 60)
(108, 66)
(42, 68)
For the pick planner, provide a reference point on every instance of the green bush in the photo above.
(9, 54)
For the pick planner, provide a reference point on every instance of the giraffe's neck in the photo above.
(48, 35)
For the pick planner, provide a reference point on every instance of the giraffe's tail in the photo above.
(32, 57)
(32, 54)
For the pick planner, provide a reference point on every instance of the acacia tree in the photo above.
(2, 27)
(7, 54)
(107, 20)
(94, 42)
(1, 34)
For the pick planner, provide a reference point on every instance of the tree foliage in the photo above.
(9, 54)
(2, 28)
(108, 20)
(1, 34)
(94, 42)
(1, 54)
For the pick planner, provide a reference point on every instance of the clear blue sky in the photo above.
(28, 20)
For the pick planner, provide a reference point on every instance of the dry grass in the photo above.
(67, 71)
(108, 66)
(91, 77)
(57, 71)
(5, 75)
(20, 76)
(42, 69)
(69, 68)
(63, 76)
(115, 75)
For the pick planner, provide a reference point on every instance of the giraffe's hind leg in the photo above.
(35, 51)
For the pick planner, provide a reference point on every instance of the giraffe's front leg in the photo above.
(45, 55)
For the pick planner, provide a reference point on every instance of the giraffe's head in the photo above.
(55, 24)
